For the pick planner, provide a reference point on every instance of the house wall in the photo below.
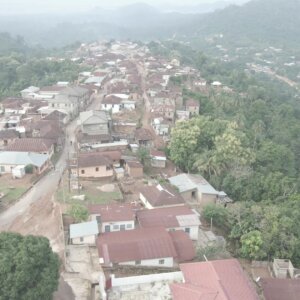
(94, 129)
(87, 240)
(188, 196)
(7, 168)
(135, 172)
(114, 108)
(205, 199)
(158, 163)
(168, 262)
(193, 234)
(194, 110)
(90, 172)
(115, 226)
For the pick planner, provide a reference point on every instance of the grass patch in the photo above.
(11, 194)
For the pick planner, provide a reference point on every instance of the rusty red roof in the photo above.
(93, 159)
(214, 280)
(281, 289)
(114, 212)
(165, 217)
(183, 245)
(137, 244)
(161, 197)
(31, 145)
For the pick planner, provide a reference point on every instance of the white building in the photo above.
(84, 233)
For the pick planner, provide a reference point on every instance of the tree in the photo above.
(29, 270)
(216, 213)
(79, 212)
(143, 155)
(252, 245)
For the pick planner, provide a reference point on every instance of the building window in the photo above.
(187, 230)
(137, 262)
(161, 261)
(116, 227)
(81, 239)
(129, 226)
(108, 168)
(106, 228)
(82, 171)
(122, 227)
(97, 169)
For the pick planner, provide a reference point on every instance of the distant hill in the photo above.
(9, 44)
(271, 21)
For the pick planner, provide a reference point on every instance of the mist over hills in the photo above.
(258, 21)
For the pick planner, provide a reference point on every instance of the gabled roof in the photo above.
(167, 217)
(159, 196)
(93, 159)
(84, 229)
(88, 117)
(23, 158)
(214, 280)
(137, 244)
(113, 212)
(31, 145)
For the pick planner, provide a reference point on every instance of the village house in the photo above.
(95, 122)
(113, 217)
(79, 94)
(145, 247)
(160, 125)
(172, 218)
(65, 104)
(84, 233)
(34, 145)
(219, 279)
(112, 104)
(10, 160)
(49, 92)
(92, 165)
(158, 159)
(7, 137)
(26, 93)
(57, 116)
(158, 196)
(143, 137)
(193, 107)
(195, 189)
(134, 168)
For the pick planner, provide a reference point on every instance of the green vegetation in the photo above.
(11, 194)
(21, 66)
(263, 230)
(28, 268)
(79, 212)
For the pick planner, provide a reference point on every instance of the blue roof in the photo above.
(84, 229)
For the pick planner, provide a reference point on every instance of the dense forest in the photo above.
(22, 66)
(246, 143)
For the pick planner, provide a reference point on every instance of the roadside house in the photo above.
(193, 107)
(7, 137)
(112, 103)
(92, 165)
(94, 122)
(134, 169)
(12, 159)
(35, 145)
(143, 137)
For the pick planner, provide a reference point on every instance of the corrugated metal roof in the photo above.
(22, 158)
(188, 182)
(84, 229)
(188, 220)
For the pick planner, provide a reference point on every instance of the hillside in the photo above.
(261, 21)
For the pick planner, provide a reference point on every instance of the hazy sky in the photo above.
(27, 6)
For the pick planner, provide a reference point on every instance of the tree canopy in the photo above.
(29, 270)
